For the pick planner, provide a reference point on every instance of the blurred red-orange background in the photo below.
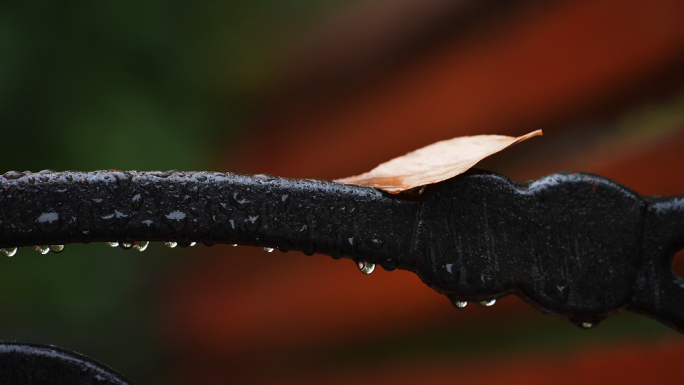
(604, 80)
(328, 89)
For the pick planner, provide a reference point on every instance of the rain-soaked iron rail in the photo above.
(574, 245)
(33, 364)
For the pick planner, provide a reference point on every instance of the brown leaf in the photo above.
(434, 163)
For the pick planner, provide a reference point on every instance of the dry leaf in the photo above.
(434, 163)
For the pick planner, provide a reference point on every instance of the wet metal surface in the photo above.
(577, 246)
(42, 365)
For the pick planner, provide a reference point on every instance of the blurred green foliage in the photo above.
(145, 85)
(136, 85)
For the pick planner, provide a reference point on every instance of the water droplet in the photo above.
(252, 222)
(308, 248)
(192, 244)
(587, 325)
(112, 244)
(120, 218)
(214, 220)
(487, 303)
(122, 179)
(460, 304)
(162, 174)
(234, 244)
(171, 244)
(137, 201)
(284, 201)
(376, 243)
(365, 267)
(125, 245)
(149, 226)
(48, 222)
(448, 273)
(225, 208)
(107, 218)
(42, 249)
(268, 249)
(9, 251)
(177, 220)
(350, 245)
(141, 246)
(239, 201)
(72, 221)
(57, 248)
(13, 174)
(231, 229)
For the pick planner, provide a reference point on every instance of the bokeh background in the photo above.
(327, 89)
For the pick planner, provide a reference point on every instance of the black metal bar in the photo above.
(313, 216)
(49, 365)
(577, 246)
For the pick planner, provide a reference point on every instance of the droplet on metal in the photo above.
(177, 220)
(192, 244)
(57, 248)
(587, 325)
(9, 251)
(268, 249)
(239, 200)
(284, 201)
(365, 267)
(112, 244)
(48, 222)
(487, 303)
(42, 249)
(13, 174)
(122, 179)
(137, 201)
(460, 304)
(141, 246)
(171, 244)
(252, 222)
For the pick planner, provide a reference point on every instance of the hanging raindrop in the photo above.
(587, 325)
(57, 248)
(126, 245)
(141, 246)
(460, 304)
(365, 267)
(171, 244)
(192, 244)
(42, 249)
(112, 244)
(9, 251)
(234, 244)
(487, 303)
(268, 249)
